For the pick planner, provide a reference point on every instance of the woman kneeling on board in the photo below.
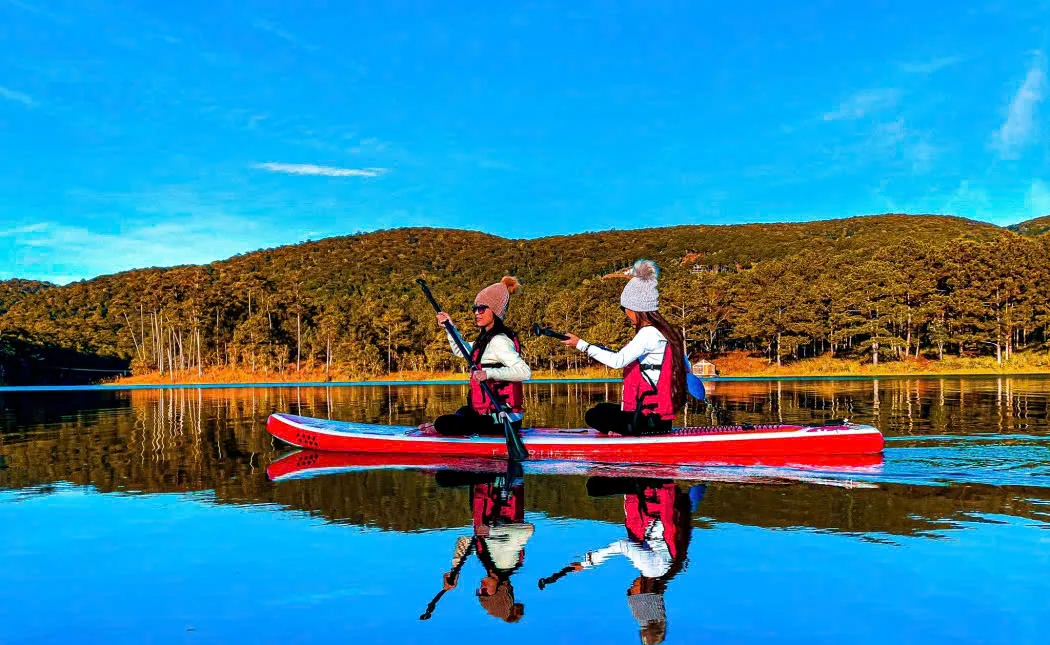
(496, 352)
(654, 379)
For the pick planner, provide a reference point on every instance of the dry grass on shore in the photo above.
(739, 364)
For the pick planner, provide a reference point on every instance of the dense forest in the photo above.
(877, 288)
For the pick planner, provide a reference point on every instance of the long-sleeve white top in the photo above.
(651, 557)
(647, 347)
(499, 350)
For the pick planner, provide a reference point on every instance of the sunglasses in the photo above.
(479, 308)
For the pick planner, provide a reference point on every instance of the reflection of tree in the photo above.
(157, 441)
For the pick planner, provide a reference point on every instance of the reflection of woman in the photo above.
(500, 534)
(657, 516)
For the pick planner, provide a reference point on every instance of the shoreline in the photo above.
(211, 385)
(732, 367)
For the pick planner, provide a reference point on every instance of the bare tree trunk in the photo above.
(218, 344)
(298, 337)
(171, 353)
(182, 355)
(132, 330)
(142, 332)
(907, 340)
(251, 334)
(199, 371)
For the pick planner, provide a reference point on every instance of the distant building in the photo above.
(704, 368)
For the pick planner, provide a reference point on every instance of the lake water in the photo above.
(148, 516)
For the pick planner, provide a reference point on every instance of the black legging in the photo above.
(466, 421)
(608, 417)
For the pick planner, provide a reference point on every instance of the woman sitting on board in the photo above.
(496, 352)
(654, 377)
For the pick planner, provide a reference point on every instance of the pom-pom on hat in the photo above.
(497, 296)
(641, 293)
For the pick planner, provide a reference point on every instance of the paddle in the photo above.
(558, 576)
(537, 330)
(453, 575)
(515, 447)
(693, 382)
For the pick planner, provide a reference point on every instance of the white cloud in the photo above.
(22, 230)
(64, 252)
(282, 33)
(17, 97)
(1020, 125)
(864, 103)
(967, 201)
(319, 171)
(930, 66)
(1037, 201)
(921, 155)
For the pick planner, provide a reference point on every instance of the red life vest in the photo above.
(637, 388)
(656, 504)
(510, 392)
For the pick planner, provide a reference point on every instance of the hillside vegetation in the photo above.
(872, 288)
(1033, 227)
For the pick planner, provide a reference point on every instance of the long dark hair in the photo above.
(675, 340)
(486, 335)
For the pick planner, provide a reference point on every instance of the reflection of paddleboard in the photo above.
(832, 470)
(680, 445)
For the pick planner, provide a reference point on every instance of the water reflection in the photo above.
(657, 516)
(497, 504)
(214, 439)
(957, 505)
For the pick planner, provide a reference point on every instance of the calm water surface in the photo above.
(148, 516)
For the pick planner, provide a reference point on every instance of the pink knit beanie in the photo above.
(497, 296)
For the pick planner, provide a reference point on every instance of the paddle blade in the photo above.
(515, 447)
(695, 386)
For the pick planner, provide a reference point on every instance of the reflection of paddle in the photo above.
(559, 575)
(453, 576)
(515, 447)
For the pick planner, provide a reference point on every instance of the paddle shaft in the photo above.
(515, 448)
(557, 576)
(453, 576)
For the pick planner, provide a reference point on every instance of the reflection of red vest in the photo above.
(635, 385)
(489, 508)
(658, 505)
(511, 393)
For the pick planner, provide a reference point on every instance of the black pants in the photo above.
(466, 421)
(608, 417)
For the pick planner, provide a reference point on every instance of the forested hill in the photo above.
(1033, 227)
(11, 291)
(873, 286)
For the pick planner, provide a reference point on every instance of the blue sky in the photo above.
(149, 134)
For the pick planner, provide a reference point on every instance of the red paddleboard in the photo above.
(681, 445)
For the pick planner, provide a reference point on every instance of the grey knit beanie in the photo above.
(647, 608)
(641, 293)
